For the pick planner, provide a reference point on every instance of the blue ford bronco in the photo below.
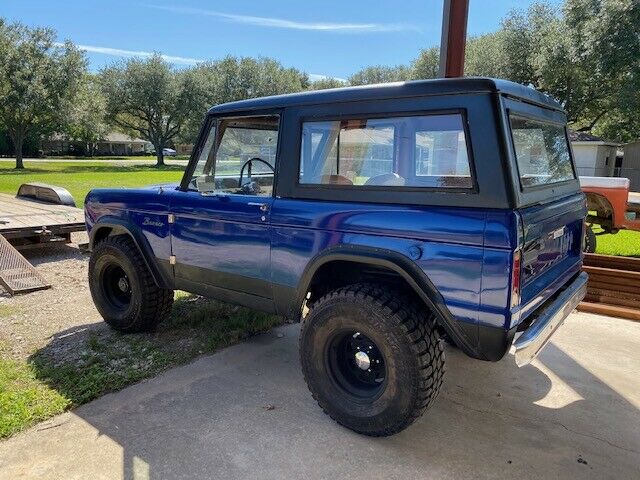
(383, 218)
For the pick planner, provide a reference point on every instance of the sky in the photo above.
(333, 38)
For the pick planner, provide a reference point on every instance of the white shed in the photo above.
(630, 165)
(594, 156)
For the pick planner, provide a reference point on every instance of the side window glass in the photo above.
(441, 158)
(346, 152)
(239, 157)
(413, 151)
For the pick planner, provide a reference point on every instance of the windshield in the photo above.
(542, 151)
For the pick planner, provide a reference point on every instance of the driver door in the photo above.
(221, 239)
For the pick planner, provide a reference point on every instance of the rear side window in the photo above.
(411, 151)
(542, 152)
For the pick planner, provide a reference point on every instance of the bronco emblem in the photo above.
(153, 223)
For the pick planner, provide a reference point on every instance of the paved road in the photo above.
(574, 413)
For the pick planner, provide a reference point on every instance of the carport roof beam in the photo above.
(454, 36)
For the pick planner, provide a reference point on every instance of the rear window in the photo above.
(541, 151)
(411, 151)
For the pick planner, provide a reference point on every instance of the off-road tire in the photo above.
(148, 304)
(405, 334)
(589, 239)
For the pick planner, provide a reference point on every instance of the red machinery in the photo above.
(610, 205)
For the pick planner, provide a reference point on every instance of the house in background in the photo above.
(115, 143)
(184, 148)
(594, 156)
(630, 165)
(120, 144)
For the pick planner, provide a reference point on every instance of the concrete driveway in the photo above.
(246, 413)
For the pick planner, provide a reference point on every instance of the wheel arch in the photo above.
(413, 277)
(113, 227)
(605, 211)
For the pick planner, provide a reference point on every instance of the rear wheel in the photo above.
(371, 358)
(123, 289)
(589, 239)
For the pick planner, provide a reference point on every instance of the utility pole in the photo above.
(454, 38)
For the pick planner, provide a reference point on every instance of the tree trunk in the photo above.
(18, 140)
(159, 156)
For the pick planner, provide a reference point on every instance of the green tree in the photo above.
(87, 121)
(328, 82)
(484, 56)
(427, 64)
(149, 99)
(38, 77)
(623, 123)
(232, 79)
(586, 56)
(605, 45)
(520, 37)
(381, 74)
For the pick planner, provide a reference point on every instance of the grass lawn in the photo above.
(80, 178)
(110, 157)
(625, 243)
(63, 374)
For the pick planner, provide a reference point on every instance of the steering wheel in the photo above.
(248, 162)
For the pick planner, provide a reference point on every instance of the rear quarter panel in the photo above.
(447, 244)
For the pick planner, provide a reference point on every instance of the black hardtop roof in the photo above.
(414, 88)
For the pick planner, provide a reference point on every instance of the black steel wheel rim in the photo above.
(116, 286)
(356, 364)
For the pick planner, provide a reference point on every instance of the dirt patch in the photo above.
(28, 322)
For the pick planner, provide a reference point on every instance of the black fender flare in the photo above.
(409, 271)
(122, 227)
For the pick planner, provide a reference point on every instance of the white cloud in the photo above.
(118, 52)
(271, 22)
(314, 77)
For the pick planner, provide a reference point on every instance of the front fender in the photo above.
(161, 271)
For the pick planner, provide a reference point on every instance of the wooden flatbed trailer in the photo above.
(38, 215)
(614, 286)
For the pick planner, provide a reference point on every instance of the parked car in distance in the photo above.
(381, 217)
(166, 152)
(611, 206)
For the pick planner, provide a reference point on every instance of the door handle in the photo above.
(263, 206)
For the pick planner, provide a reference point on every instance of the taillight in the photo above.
(515, 278)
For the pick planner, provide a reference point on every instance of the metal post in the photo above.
(454, 37)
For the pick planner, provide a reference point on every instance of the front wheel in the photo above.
(123, 289)
(371, 358)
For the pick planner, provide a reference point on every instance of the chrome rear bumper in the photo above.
(551, 316)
